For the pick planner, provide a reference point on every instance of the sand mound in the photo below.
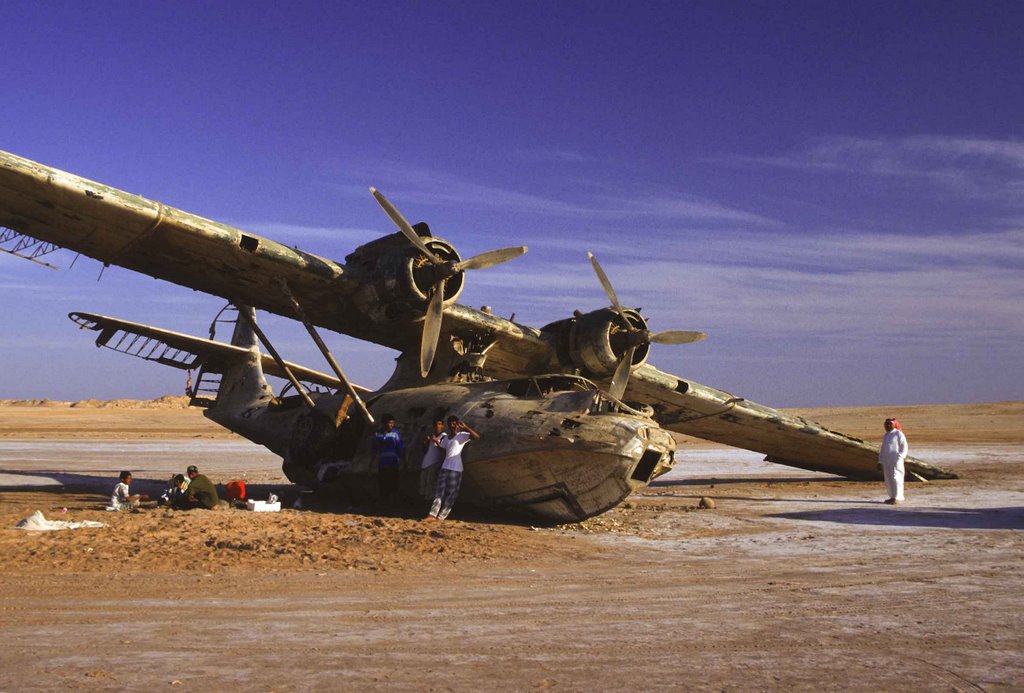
(208, 541)
(165, 402)
(33, 403)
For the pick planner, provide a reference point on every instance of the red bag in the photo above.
(235, 491)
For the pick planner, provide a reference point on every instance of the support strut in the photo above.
(327, 354)
(277, 357)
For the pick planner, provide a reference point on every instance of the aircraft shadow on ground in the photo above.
(756, 499)
(67, 482)
(71, 484)
(949, 518)
(707, 481)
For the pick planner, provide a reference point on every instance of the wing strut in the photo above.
(327, 354)
(26, 247)
(277, 357)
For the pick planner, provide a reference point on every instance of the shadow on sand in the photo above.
(88, 487)
(780, 499)
(949, 518)
(715, 481)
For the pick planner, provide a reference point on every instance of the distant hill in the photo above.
(165, 402)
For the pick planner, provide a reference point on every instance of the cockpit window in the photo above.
(549, 384)
(546, 385)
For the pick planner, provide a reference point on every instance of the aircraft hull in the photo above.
(557, 485)
(546, 456)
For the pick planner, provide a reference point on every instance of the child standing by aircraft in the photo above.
(389, 450)
(432, 459)
(449, 479)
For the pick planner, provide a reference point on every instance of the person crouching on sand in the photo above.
(201, 492)
(122, 499)
(890, 458)
(175, 491)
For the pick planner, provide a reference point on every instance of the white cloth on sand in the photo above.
(37, 523)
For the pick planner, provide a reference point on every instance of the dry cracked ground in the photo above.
(794, 581)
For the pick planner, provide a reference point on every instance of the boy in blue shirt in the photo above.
(389, 450)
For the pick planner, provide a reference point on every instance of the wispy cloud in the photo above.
(283, 233)
(554, 155)
(422, 186)
(973, 166)
(943, 291)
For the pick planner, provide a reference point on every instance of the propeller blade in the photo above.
(603, 278)
(677, 336)
(404, 226)
(490, 258)
(617, 387)
(431, 329)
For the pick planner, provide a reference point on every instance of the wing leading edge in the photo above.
(130, 231)
(687, 407)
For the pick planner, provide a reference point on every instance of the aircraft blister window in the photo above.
(547, 385)
(521, 388)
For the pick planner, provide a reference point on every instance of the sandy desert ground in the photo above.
(795, 581)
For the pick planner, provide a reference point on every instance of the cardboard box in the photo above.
(258, 506)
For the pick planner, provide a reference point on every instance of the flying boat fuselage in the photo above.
(552, 447)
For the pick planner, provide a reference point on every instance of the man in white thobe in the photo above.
(890, 457)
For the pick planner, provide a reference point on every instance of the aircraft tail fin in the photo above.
(242, 382)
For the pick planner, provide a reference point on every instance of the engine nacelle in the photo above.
(594, 342)
(395, 277)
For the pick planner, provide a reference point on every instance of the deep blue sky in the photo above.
(834, 192)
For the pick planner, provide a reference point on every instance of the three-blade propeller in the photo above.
(635, 336)
(443, 271)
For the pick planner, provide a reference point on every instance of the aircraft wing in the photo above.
(687, 407)
(187, 352)
(119, 228)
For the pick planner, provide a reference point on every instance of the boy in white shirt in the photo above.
(449, 479)
(432, 461)
(121, 498)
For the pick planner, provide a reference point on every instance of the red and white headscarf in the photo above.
(895, 423)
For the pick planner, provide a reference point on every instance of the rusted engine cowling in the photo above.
(594, 342)
(396, 277)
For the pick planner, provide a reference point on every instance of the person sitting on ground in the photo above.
(201, 492)
(175, 490)
(122, 499)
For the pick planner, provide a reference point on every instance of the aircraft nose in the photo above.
(658, 455)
